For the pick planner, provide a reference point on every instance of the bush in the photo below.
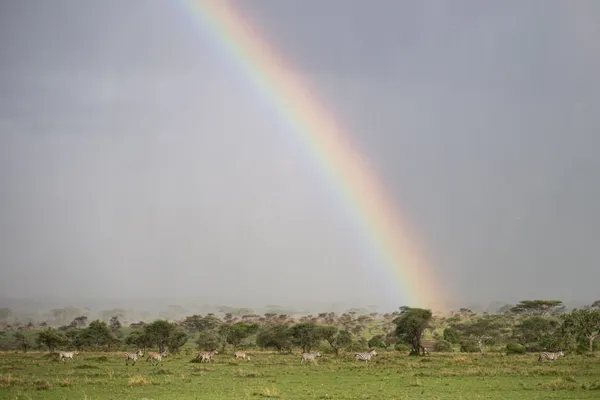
(376, 342)
(358, 345)
(443, 346)
(401, 347)
(452, 335)
(469, 346)
(390, 339)
(514, 348)
(534, 347)
(583, 346)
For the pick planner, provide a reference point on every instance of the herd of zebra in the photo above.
(207, 356)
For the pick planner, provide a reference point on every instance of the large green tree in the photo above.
(585, 324)
(410, 326)
(198, 323)
(163, 334)
(22, 341)
(97, 336)
(276, 336)
(234, 334)
(51, 338)
(337, 339)
(482, 330)
(537, 329)
(306, 335)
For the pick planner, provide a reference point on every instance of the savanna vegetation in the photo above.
(419, 354)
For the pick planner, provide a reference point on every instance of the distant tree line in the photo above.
(529, 326)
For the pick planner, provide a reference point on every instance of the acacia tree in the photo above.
(79, 322)
(306, 335)
(537, 329)
(585, 324)
(276, 336)
(177, 339)
(539, 307)
(208, 340)
(97, 335)
(481, 330)
(22, 341)
(410, 326)
(337, 339)
(115, 326)
(164, 334)
(51, 338)
(234, 334)
(198, 323)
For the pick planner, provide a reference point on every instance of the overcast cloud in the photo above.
(137, 160)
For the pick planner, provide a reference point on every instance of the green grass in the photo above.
(267, 375)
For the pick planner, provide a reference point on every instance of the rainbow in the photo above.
(413, 281)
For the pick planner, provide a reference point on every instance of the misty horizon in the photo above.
(138, 161)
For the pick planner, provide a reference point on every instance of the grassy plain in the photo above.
(391, 375)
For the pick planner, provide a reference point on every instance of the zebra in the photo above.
(156, 356)
(64, 355)
(206, 355)
(310, 357)
(364, 356)
(550, 356)
(133, 356)
(241, 354)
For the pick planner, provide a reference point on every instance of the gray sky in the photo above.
(136, 159)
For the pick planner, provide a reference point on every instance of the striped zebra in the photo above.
(550, 356)
(366, 357)
(67, 355)
(242, 355)
(206, 355)
(310, 357)
(156, 356)
(133, 357)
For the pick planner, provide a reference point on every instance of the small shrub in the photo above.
(469, 346)
(443, 346)
(65, 382)
(138, 380)
(42, 385)
(558, 384)
(462, 360)
(401, 347)
(268, 392)
(162, 372)
(244, 374)
(591, 386)
(534, 348)
(514, 348)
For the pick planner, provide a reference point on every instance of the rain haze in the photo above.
(138, 160)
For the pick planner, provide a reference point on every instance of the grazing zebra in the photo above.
(364, 356)
(206, 355)
(133, 357)
(156, 356)
(550, 356)
(64, 355)
(241, 354)
(310, 357)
